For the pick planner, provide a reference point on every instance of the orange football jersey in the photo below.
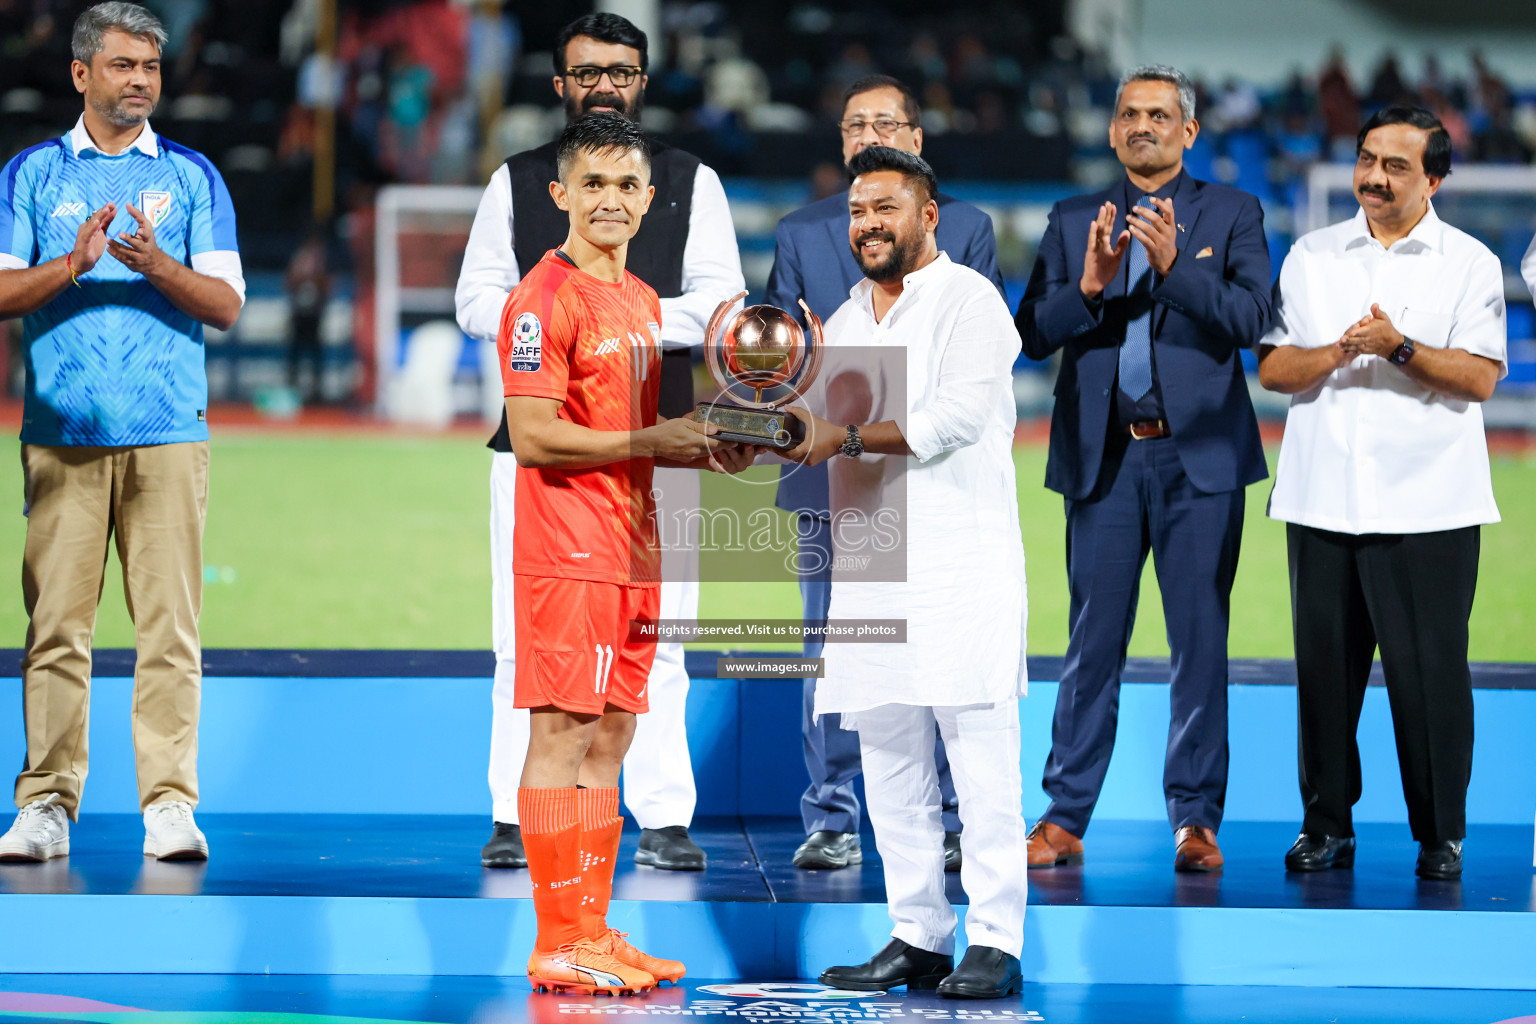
(595, 346)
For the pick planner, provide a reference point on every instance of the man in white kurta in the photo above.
(931, 455)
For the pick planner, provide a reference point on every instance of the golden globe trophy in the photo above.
(761, 361)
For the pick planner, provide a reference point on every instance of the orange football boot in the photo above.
(588, 968)
(616, 945)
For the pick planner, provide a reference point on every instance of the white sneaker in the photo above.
(41, 832)
(171, 834)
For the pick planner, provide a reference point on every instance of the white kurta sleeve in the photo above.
(711, 265)
(1479, 326)
(490, 270)
(976, 362)
(1287, 325)
(1528, 268)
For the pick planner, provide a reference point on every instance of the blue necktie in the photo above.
(1136, 352)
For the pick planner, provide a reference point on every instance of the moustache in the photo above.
(1372, 190)
(875, 236)
(604, 99)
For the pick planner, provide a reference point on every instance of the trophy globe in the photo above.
(762, 361)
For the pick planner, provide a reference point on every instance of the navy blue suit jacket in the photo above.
(813, 260)
(1214, 302)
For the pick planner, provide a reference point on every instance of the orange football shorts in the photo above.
(573, 646)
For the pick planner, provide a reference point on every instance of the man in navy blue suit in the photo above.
(1153, 439)
(812, 259)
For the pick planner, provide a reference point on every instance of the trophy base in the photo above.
(766, 428)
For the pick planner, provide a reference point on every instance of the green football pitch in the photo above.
(380, 541)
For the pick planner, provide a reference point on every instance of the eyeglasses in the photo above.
(884, 129)
(588, 75)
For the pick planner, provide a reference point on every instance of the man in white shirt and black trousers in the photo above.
(918, 387)
(686, 251)
(1389, 332)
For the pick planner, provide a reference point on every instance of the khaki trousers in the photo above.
(154, 500)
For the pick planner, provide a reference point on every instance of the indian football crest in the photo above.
(155, 206)
(527, 344)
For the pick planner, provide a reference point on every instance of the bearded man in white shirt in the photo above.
(933, 450)
(1389, 331)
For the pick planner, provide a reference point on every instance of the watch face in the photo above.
(853, 446)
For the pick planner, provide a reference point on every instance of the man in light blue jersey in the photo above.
(116, 246)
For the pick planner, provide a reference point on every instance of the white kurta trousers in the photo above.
(901, 790)
(658, 774)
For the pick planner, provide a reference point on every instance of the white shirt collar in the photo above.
(80, 140)
(913, 280)
(1427, 234)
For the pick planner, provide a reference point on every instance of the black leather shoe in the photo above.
(1440, 860)
(951, 851)
(505, 850)
(895, 965)
(1317, 852)
(826, 850)
(670, 849)
(985, 973)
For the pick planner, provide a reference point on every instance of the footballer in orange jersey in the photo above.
(580, 357)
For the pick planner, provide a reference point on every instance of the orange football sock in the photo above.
(552, 841)
(598, 812)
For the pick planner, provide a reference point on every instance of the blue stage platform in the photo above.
(341, 894)
(346, 808)
(260, 999)
(383, 732)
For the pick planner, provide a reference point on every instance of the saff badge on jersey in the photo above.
(155, 206)
(527, 344)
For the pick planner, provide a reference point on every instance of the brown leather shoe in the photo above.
(1051, 846)
(1197, 849)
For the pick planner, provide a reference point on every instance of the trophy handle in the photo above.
(817, 347)
(710, 348)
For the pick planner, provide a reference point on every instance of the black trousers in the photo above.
(1411, 595)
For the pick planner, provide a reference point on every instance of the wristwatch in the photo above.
(853, 447)
(1402, 353)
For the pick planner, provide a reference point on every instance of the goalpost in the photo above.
(419, 238)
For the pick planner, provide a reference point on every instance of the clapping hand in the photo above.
(1373, 335)
(91, 239)
(1156, 229)
(138, 251)
(1101, 260)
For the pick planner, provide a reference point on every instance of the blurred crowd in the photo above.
(442, 90)
(439, 91)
